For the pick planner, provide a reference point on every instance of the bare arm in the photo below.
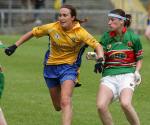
(11, 49)
(99, 51)
(139, 65)
(137, 74)
(24, 38)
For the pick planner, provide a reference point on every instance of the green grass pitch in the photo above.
(26, 99)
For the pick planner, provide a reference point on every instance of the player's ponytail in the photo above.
(73, 12)
(81, 21)
(128, 20)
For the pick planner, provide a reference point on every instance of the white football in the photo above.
(91, 56)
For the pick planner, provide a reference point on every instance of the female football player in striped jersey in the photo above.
(123, 61)
(60, 72)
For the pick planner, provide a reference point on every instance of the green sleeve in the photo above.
(138, 48)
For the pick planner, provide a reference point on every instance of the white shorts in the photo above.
(119, 82)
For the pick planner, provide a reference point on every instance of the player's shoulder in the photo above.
(134, 36)
(81, 29)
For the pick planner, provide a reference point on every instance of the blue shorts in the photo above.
(55, 75)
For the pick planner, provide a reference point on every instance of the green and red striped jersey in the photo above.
(121, 52)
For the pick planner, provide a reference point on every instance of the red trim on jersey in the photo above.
(140, 52)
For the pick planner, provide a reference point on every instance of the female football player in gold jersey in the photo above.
(67, 37)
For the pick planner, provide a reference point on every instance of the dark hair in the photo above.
(73, 12)
(128, 20)
(122, 13)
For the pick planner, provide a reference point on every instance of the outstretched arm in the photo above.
(99, 51)
(24, 38)
(11, 49)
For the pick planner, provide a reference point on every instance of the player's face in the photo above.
(65, 19)
(115, 23)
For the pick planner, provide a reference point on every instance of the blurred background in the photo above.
(26, 98)
(19, 16)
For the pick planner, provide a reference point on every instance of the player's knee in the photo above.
(126, 105)
(101, 107)
(65, 101)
